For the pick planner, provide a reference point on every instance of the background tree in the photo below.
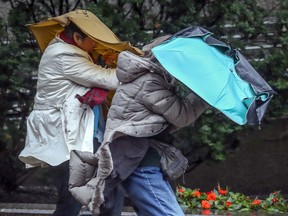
(243, 24)
(18, 62)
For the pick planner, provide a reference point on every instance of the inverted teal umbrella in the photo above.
(209, 68)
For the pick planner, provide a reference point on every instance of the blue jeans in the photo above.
(150, 194)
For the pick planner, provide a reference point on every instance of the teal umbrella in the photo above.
(217, 73)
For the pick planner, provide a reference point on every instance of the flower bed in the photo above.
(220, 199)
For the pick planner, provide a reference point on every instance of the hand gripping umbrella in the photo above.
(217, 73)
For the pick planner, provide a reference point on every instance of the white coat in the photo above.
(59, 123)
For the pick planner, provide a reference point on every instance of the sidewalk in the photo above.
(27, 209)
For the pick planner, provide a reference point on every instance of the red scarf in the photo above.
(66, 39)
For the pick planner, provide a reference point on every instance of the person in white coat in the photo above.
(59, 123)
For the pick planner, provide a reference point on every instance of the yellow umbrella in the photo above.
(91, 25)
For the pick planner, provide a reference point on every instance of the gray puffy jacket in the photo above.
(144, 105)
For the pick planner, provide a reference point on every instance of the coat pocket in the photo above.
(74, 117)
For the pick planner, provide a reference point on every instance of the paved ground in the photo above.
(24, 209)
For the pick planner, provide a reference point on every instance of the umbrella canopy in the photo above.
(91, 25)
(217, 73)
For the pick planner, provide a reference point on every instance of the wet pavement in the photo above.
(24, 209)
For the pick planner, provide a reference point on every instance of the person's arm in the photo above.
(82, 71)
(178, 111)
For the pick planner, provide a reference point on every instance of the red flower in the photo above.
(205, 204)
(274, 200)
(256, 202)
(206, 212)
(211, 196)
(228, 203)
(196, 194)
(222, 192)
(181, 190)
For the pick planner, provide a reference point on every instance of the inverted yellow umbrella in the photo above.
(107, 42)
(91, 25)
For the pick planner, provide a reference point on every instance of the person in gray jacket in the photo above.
(145, 107)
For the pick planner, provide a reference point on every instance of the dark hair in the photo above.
(71, 28)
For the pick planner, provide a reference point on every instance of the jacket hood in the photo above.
(131, 66)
